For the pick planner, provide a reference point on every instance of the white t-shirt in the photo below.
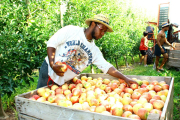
(73, 48)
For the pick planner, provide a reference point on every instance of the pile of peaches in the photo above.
(109, 97)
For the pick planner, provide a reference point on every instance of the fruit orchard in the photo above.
(26, 26)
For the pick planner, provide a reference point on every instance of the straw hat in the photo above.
(100, 19)
(164, 24)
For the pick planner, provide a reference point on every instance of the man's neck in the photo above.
(163, 30)
(88, 34)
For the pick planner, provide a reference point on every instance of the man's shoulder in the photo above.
(72, 27)
(161, 33)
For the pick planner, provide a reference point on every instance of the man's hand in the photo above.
(129, 82)
(115, 73)
(162, 50)
(173, 48)
(58, 69)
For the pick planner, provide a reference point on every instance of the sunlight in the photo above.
(151, 8)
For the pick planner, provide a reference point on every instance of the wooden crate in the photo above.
(174, 57)
(34, 110)
(176, 45)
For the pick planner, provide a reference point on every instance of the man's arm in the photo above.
(51, 56)
(146, 42)
(169, 43)
(115, 73)
(159, 36)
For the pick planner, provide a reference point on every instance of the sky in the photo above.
(152, 6)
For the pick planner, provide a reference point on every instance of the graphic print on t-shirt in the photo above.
(77, 56)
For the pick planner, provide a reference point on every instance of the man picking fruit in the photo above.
(71, 49)
(160, 49)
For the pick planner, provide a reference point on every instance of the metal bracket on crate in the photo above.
(153, 116)
(71, 116)
(62, 114)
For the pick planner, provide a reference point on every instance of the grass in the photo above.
(9, 103)
(121, 62)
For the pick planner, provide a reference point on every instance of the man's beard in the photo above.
(93, 34)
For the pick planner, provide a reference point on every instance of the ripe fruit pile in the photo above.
(110, 97)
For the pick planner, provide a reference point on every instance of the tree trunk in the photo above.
(63, 7)
(116, 63)
(3, 115)
(133, 59)
(92, 70)
(28, 15)
(61, 14)
(125, 58)
(139, 56)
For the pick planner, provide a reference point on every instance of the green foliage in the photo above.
(8, 102)
(24, 28)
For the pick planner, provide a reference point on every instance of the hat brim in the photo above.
(88, 21)
(165, 25)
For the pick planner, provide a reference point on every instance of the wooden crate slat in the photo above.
(168, 106)
(26, 117)
(174, 54)
(47, 111)
(176, 45)
(173, 64)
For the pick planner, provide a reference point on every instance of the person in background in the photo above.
(75, 46)
(143, 48)
(159, 48)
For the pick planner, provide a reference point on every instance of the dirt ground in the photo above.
(11, 114)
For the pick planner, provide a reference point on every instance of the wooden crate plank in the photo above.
(174, 60)
(97, 75)
(169, 112)
(26, 117)
(174, 54)
(176, 45)
(173, 64)
(149, 78)
(28, 94)
(168, 105)
(47, 111)
(168, 80)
